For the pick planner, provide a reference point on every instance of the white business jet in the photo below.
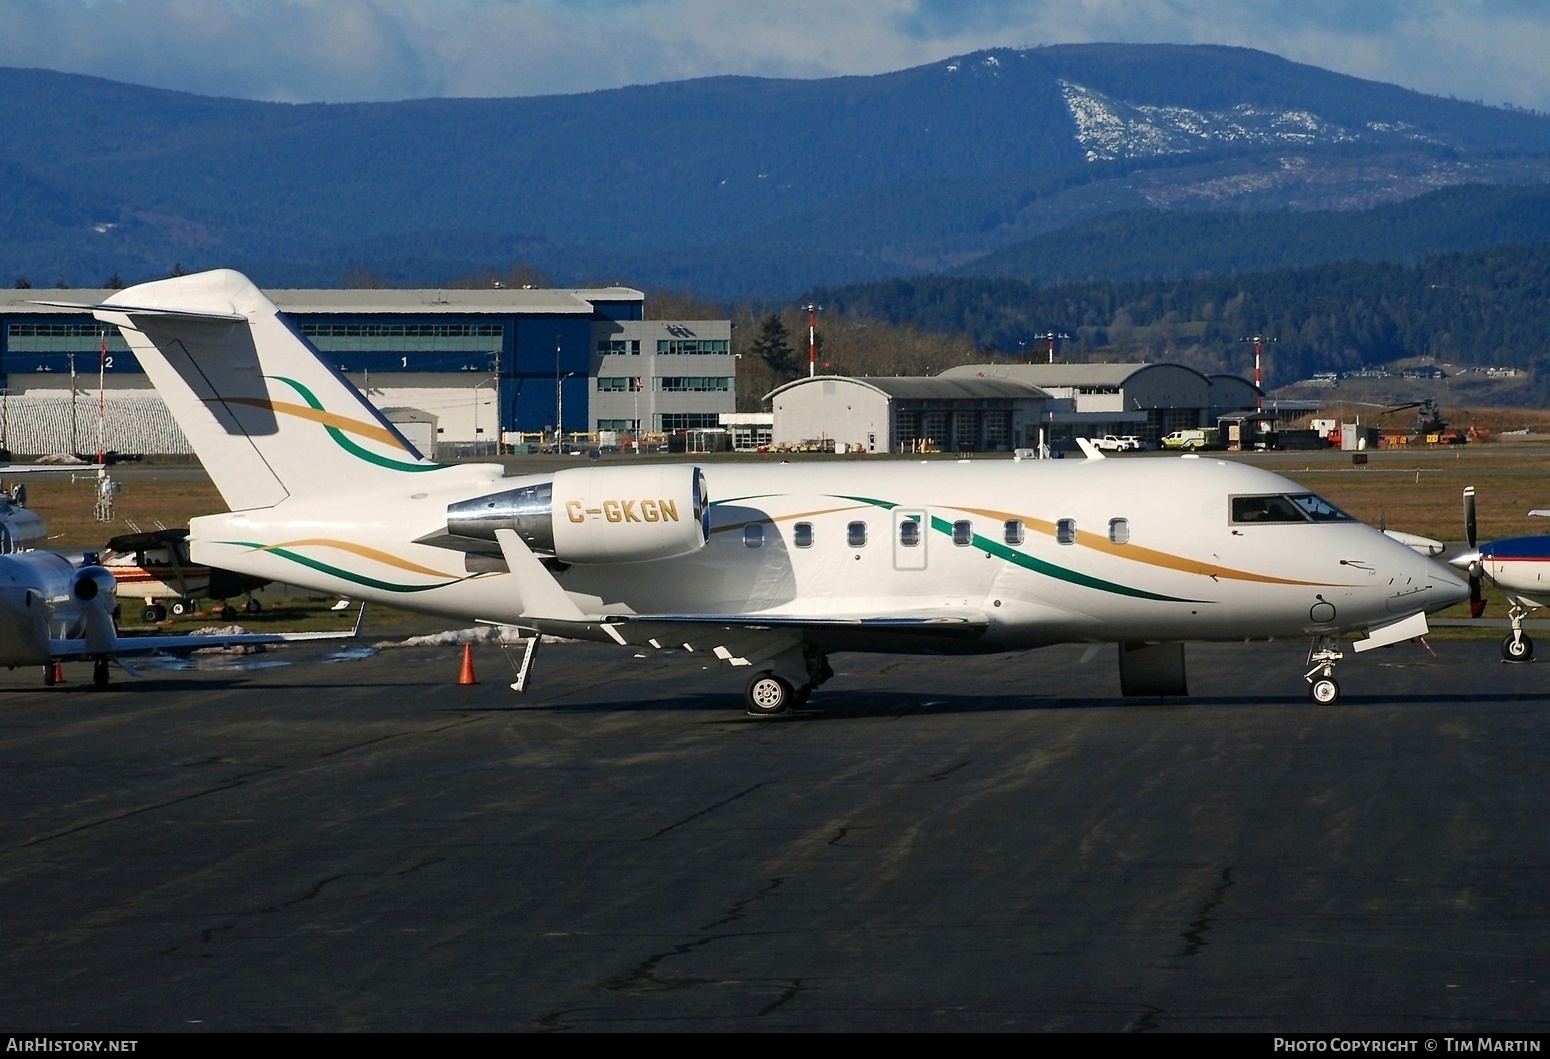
(54, 611)
(769, 567)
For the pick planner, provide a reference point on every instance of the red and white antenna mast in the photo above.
(1259, 377)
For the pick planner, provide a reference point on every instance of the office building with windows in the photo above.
(660, 377)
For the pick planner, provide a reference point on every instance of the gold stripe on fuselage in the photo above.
(1151, 557)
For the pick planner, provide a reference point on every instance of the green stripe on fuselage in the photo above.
(339, 572)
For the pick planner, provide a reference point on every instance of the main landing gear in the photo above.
(1517, 647)
(1320, 676)
(771, 695)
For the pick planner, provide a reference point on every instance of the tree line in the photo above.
(1483, 307)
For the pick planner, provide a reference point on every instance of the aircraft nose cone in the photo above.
(1449, 589)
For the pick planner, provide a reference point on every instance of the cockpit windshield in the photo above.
(1286, 508)
(1319, 509)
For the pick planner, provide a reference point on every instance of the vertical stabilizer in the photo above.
(266, 416)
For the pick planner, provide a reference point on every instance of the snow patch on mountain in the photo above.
(1109, 128)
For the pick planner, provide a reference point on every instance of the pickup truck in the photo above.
(1118, 443)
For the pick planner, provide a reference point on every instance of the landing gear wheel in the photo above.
(1518, 650)
(49, 680)
(99, 673)
(768, 695)
(1324, 691)
(181, 607)
(228, 612)
(153, 614)
(252, 606)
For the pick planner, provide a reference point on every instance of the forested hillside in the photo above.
(1152, 244)
(1484, 307)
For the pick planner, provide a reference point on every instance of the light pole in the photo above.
(74, 447)
(500, 429)
(494, 382)
(559, 410)
(812, 339)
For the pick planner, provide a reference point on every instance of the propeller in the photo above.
(1471, 534)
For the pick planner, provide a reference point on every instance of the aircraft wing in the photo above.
(934, 622)
(744, 639)
(124, 646)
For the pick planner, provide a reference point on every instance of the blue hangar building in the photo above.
(459, 368)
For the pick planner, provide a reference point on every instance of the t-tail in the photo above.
(265, 414)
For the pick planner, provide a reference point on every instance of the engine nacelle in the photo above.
(597, 514)
(94, 584)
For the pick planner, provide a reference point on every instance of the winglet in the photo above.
(1091, 451)
(539, 594)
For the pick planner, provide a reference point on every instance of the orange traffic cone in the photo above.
(467, 675)
(59, 673)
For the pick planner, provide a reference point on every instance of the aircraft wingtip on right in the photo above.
(769, 567)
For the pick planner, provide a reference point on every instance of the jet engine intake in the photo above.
(596, 514)
(93, 582)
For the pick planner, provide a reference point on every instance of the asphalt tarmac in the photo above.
(932, 844)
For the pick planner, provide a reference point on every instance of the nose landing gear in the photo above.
(1320, 676)
(1517, 647)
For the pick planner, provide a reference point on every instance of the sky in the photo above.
(357, 50)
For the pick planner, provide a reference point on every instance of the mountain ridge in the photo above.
(735, 186)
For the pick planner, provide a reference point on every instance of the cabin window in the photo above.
(753, 535)
(1013, 531)
(855, 534)
(909, 533)
(802, 534)
(1065, 531)
(963, 533)
(1119, 531)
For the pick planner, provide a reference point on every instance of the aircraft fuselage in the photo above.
(1048, 551)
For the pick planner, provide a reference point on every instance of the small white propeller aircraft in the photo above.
(1519, 566)
(768, 567)
(53, 611)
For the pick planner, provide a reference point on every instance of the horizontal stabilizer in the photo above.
(79, 649)
(230, 316)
